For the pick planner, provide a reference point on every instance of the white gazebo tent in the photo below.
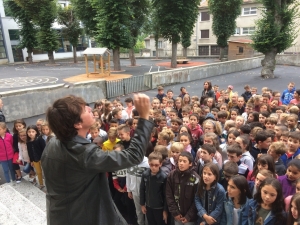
(102, 52)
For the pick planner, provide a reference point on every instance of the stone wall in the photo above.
(35, 101)
(200, 72)
(286, 59)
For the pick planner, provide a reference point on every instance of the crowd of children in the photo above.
(24, 147)
(219, 158)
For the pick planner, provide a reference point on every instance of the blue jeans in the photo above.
(8, 167)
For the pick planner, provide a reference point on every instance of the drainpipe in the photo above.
(197, 26)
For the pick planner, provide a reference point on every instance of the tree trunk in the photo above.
(156, 45)
(184, 52)
(222, 53)
(116, 59)
(174, 55)
(51, 57)
(29, 52)
(268, 64)
(75, 55)
(132, 57)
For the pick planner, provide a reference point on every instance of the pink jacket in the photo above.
(6, 147)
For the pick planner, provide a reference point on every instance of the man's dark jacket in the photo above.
(2, 117)
(75, 174)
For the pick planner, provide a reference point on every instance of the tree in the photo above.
(43, 13)
(224, 14)
(185, 42)
(174, 19)
(191, 17)
(27, 29)
(154, 28)
(275, 31)
(86, 12)
(113, 27)
(140, 10)
(72, 30)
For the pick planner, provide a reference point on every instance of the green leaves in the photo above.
(86, 11)
(277, 28)
(224, 14)
(113, 23)
(27, 28)
(71, 30)
(176, 19)
(42, 14)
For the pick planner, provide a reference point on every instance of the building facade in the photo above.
(204, 42)
(3, 54)
(11, 40)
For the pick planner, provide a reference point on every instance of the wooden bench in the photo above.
(182, 61)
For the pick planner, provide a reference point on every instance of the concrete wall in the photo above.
(3, 61)
(34, 101)
(199, 72)
(292, 60)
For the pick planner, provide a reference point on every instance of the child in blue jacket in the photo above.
(288, 94)
(210, 196)
(238, 195)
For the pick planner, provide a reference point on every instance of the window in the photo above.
(64, 44)
(159, 44)
(237, 31)
(204, 16)
(215, 50)
(249, 11)
(204, 33)
(83, 43)
(147, 42)
(248, 30)
(241, 50)
(203, 50)
(38, 51)
(63, 5)
(14, 35)
(2, 48)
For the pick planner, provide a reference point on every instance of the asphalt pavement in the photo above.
(19, 76)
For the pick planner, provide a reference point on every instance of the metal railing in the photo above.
(116, 88)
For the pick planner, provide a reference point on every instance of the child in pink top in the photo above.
(6, 153)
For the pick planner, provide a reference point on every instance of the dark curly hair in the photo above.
(63, 114)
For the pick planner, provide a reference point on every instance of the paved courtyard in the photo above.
(14, 77)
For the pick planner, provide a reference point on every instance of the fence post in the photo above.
(124, 88)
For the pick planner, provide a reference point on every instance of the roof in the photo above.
(244, 41)
(95, 51)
